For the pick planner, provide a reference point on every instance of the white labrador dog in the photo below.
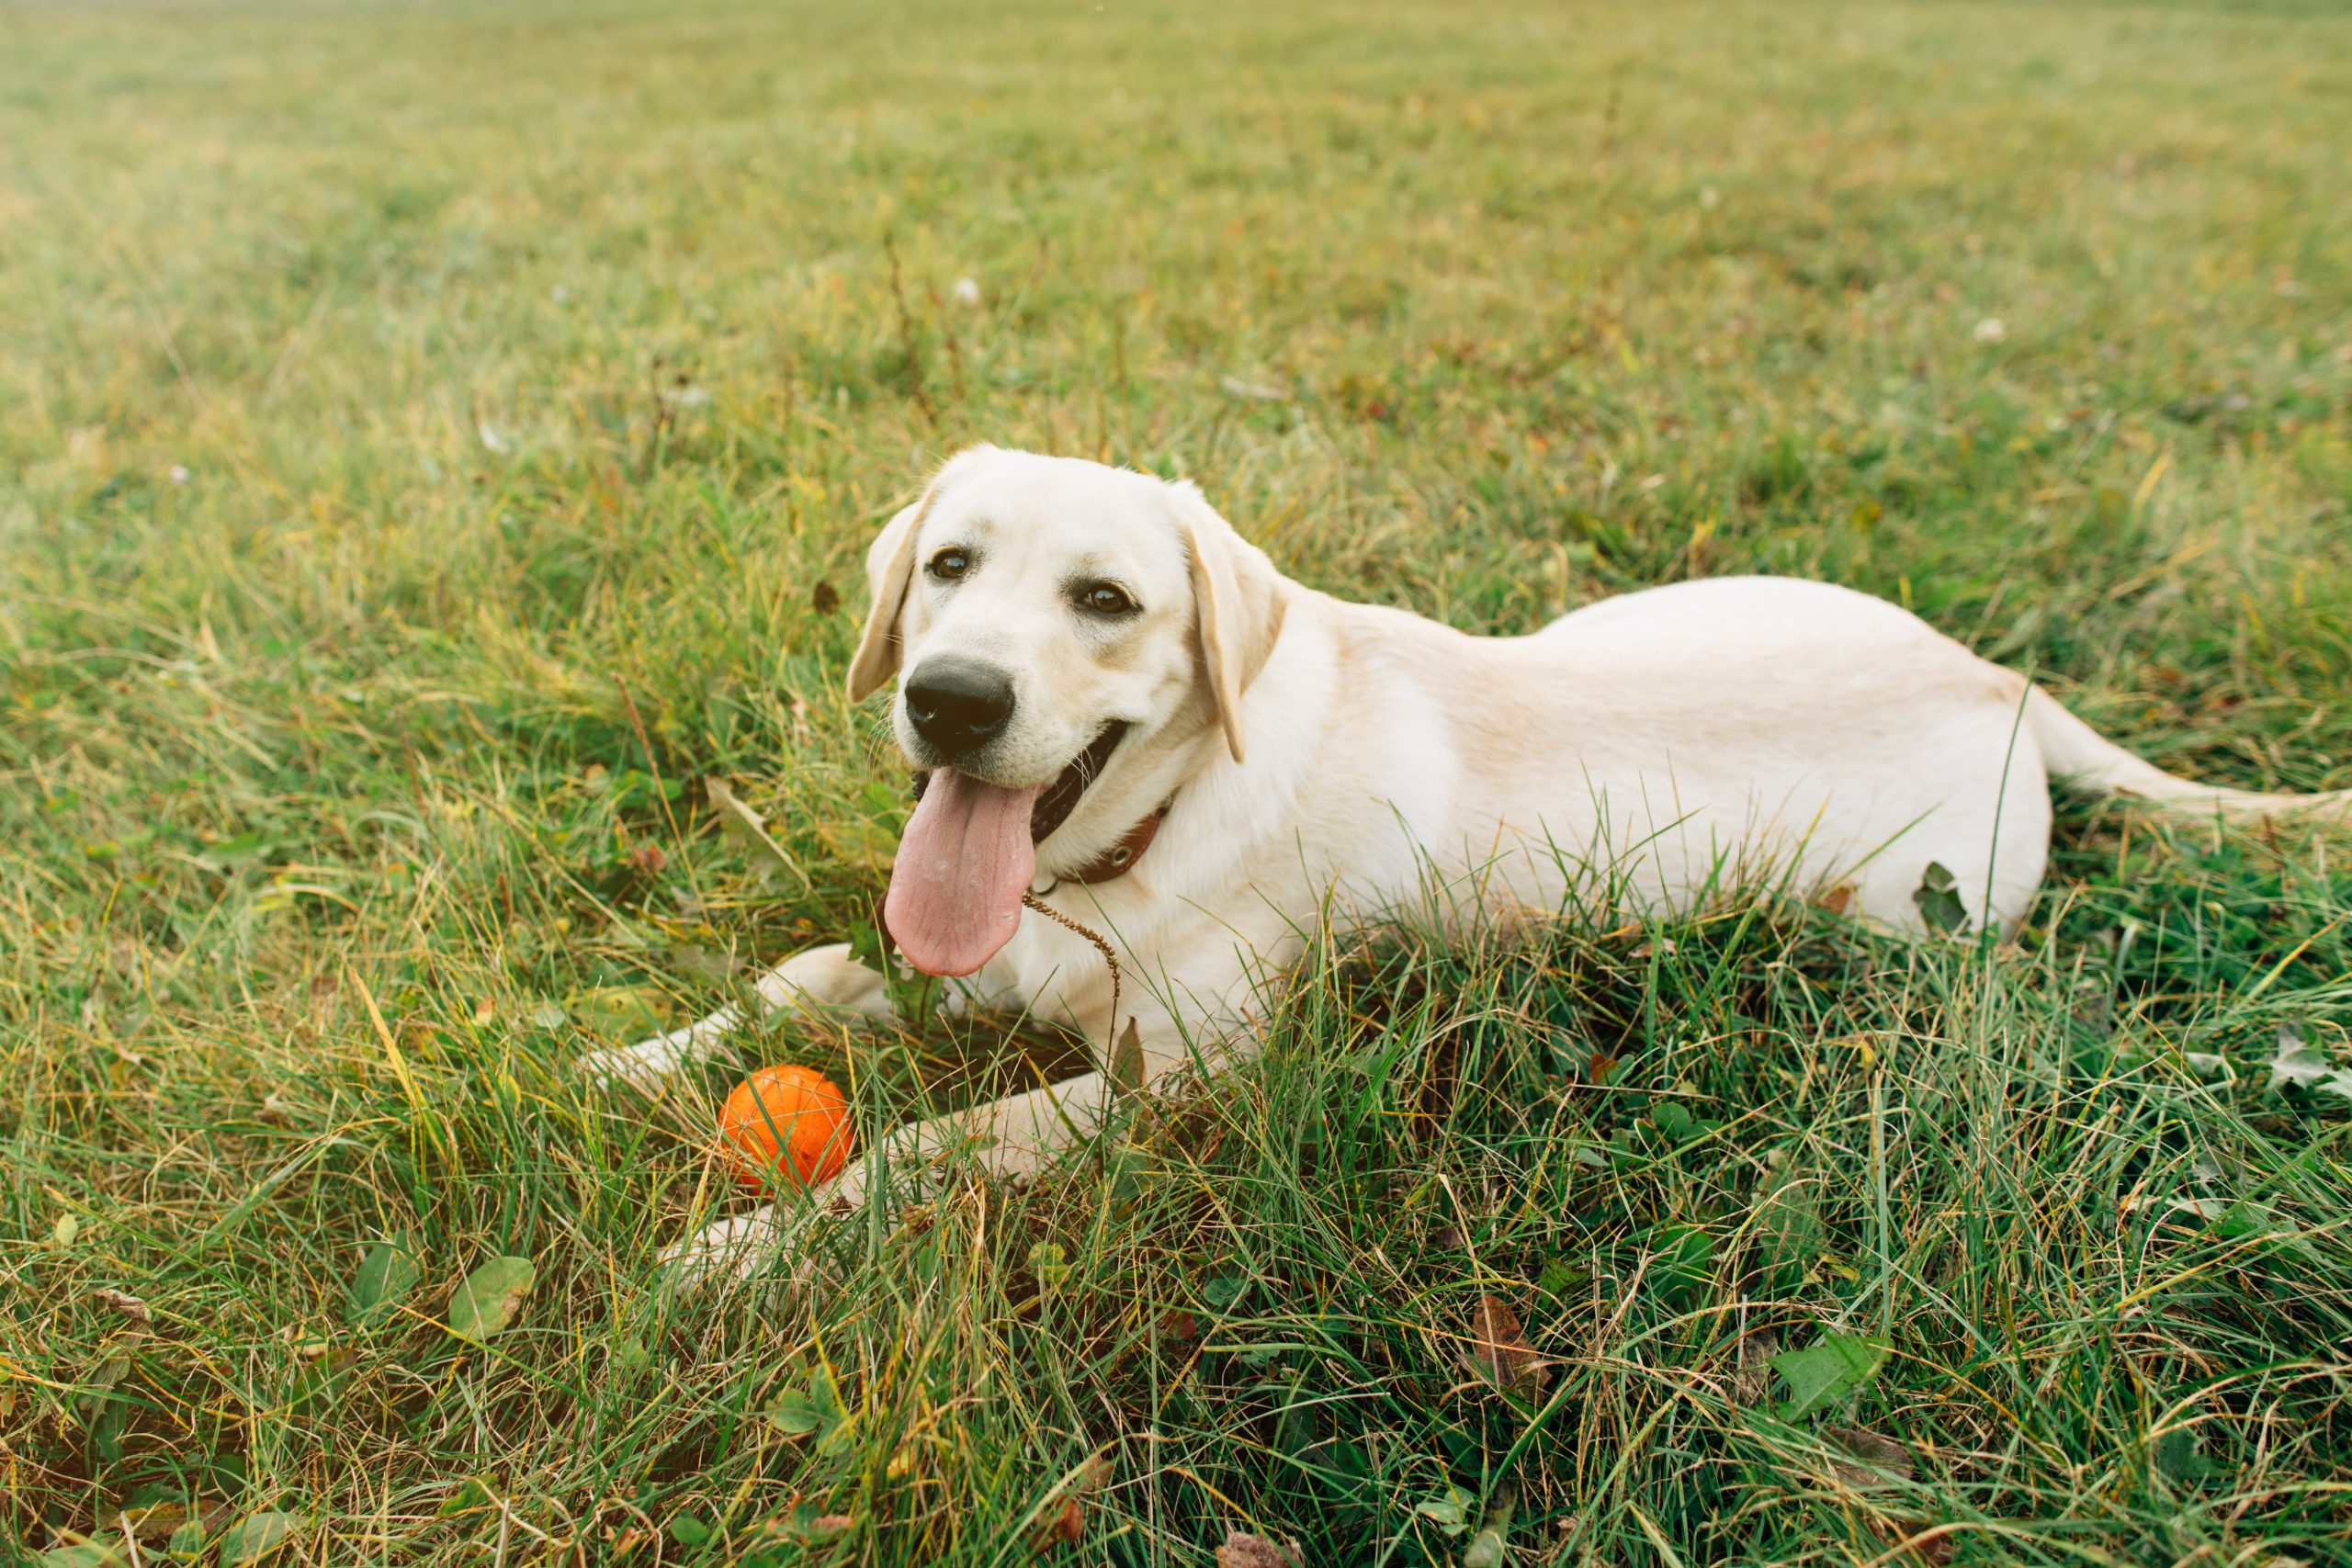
(1123, 711)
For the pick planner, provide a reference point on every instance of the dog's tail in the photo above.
(2072, 750)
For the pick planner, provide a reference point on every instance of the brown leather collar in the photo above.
(1121, 857)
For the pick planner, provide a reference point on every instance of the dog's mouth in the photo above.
(969, 855)
(1060, 798)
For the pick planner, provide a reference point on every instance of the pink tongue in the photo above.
(966, 860)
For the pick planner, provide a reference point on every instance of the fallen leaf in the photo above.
(1788, 1223)
(157, 1521)
(1484, 1550)
(1562, 1279)
(1933, 1545)
(1684, 1265)
(1838, 1365)
(1836, 899)
(490, 1297)
(1060, 1526)
(131, 1306)
(1752, 1382)
(1450, 1513)
(1940, 902)
(255, 1536)
(748, 829)
(2304, 1065)
(1126, 1062)
(1499, 1351)
(386, 1274)
(80, 1554)
(1885, 1460)
(1242, 1549)
(1049, 1260)
(2176, 1455)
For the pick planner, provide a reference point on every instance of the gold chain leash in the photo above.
(1032, 901)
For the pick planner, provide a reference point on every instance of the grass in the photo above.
(433, 441)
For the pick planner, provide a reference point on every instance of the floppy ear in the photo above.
(1238, 603)
(889, 570)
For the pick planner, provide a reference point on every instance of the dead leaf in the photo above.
(748, 828)
(1499, 1350)
(161, 1521)
(1127, 1063)
(1931, 1545)
(831, 1524)
(1885, 1461)
(131, 1306)
(1836, 899)
(1179, 1324)
(1061, 1526)
(488, 1299)
(1064, 1522)
(1753, 1382)
(1242, 1549)
(2305, 1066)
(824, 598)
(258, 1536)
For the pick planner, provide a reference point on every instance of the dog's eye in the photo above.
(1105, 599)
(950, 564)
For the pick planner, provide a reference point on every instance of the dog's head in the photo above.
(1067, 637)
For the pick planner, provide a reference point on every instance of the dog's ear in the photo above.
(1238, 603)
(889, 571)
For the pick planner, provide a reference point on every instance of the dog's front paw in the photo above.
(734, 1248)
(645, 1066)
(772, 1240)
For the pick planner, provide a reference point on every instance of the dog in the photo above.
(1124, 720)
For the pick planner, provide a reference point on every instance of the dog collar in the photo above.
(1121, 857)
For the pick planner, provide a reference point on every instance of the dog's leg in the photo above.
(1012, 1136)
(823, 979)
(1009, 1137)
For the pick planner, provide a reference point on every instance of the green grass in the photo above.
(538, 375)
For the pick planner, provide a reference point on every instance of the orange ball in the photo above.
(785, 1119)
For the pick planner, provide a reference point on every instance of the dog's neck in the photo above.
(1121, 857)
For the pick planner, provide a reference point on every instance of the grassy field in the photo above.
(432, 442)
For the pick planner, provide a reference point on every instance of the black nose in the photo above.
(957, 704)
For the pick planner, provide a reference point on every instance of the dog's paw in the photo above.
(731, 1249)
(645, 1066)
(774, 1239)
